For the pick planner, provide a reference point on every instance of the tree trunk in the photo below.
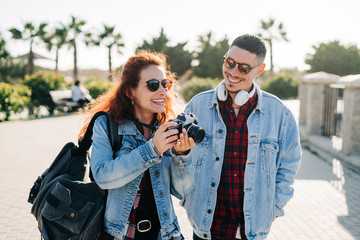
(7, 116)
(75, 62)
(30, 64)
(271, 58)
(31, 111)
(57, 61)
(110, 70)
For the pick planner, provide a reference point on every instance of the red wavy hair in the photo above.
(116, 101)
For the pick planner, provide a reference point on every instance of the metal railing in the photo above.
(333, 110)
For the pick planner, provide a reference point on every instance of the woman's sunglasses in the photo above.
(154, 84)
(243, 67)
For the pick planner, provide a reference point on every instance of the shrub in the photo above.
(284, 86)
(12, 69)
(97, 86)
(13, 98)
(41, 84)
(198, 85)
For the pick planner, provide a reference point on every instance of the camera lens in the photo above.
(195, 132)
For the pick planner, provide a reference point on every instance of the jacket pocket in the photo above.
(269, 152)
(202, 149)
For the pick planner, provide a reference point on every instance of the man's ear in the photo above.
(261, 69)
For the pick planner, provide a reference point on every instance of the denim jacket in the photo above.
(273, 159)
(122, 176)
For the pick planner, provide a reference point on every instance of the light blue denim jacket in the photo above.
(273, 159)
(122, 176)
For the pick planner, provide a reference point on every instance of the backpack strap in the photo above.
(85, 143)
(114, 137)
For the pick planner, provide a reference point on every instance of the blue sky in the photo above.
(307, 23)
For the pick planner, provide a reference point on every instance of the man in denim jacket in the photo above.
(244, 168)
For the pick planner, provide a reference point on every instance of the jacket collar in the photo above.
(127, 127)
(260, 104)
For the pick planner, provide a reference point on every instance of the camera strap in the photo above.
(149, 126)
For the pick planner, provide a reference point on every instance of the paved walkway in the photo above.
(326, 203)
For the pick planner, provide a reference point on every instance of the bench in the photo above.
(63, 98)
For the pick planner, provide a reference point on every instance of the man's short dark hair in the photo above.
(251, 43)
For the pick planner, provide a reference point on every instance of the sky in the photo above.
(307, 23)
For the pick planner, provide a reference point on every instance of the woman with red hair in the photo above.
(152, 162)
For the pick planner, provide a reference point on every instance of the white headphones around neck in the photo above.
(241, 97)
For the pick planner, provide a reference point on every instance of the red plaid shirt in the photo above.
(230, 194)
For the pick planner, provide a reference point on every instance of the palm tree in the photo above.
(32, 34)
(210, 56)
(74, 30)
(159, 44)
(179, 59)
(56, 39)
(3, 53)
(271, 32)
(110, 39)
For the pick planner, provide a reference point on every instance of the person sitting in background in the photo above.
(79, 94)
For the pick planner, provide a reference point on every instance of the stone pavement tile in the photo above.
(22, 160)
(314, 211)
(186, 228)
(325, 204)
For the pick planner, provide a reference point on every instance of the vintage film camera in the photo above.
(188, 121)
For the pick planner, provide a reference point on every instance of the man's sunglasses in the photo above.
(154, 84)
(243, 67)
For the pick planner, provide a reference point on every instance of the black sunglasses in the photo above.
(154, 84)
(243, 67)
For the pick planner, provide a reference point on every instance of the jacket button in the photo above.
(220, 131)
(165, 214)
(217, 158)
(157, 173)
(167, 234)
(209, 211)
(161, 193)
(213, 184)
(205, 235)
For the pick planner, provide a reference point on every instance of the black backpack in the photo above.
(66, 204)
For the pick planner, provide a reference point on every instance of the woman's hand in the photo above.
(185, 143)
(163, 140)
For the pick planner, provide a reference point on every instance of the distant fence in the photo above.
(330, 107)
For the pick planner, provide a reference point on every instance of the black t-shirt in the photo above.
(147, 206)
